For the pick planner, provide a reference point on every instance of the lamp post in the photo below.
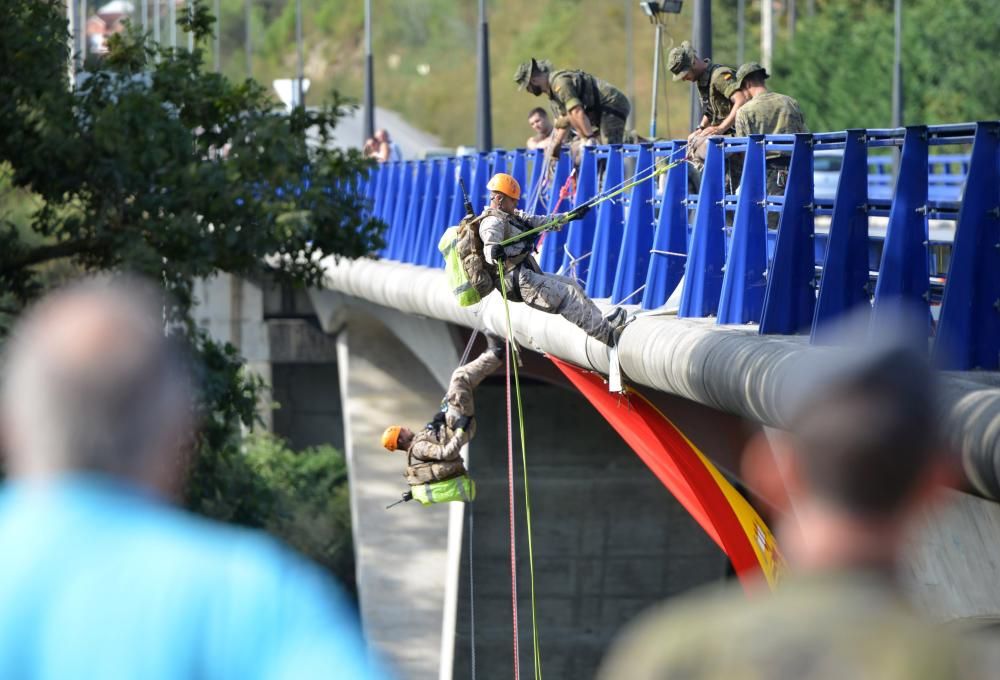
(701, 39)
(369, 75)
(657, 11)
(484, 114)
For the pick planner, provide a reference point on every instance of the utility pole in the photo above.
(218, 37)
(897, 66)
(172, 18)
(792, 18)
(156, 23)
(766, 33)
(300, 70)
(247, 42)
(484, 122)
(83, 33)
(145, 15)
(701, 39)
(369, 75)
(656, 77)
(741, 31)
(629, 64)
(190, 13)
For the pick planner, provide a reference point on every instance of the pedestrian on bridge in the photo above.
(596, 110)
(768, 113)
(861, 464)
(523, 278)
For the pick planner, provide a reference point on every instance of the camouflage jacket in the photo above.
(813, 627)
(570, 89)
(770, 113)
(497, 226)
(716, 85)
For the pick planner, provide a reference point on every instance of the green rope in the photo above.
(561, 220)
(524, 463)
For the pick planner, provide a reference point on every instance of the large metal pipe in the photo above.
(729, 368)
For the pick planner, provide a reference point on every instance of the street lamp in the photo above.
(657, 11)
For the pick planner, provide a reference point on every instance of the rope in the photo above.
(524, 463)
(510, 501)
(558, 221)
(472, 597)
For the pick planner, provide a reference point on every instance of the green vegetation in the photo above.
(153, 165)
(838, 66)
(301, 497)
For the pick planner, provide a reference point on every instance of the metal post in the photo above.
(792, 18)
(247, 42)
(369, 75)
(810, 8)
(218, 37)
(741, 30)
(74, 29)
(766, 33)
(484, 122)
(897, 67)
(300, 70)
(629, 63)
(156, 22)
(172, 18)
(83, 33)
(701, 38)
(656, 79)
(145, 15)
(190, 13)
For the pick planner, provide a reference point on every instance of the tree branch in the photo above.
(45, 253)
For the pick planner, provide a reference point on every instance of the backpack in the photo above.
(465, 266)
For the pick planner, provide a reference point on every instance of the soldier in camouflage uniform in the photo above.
(524, 279)
(850, 482)
(767, 113)
(721, 100)
(434, 453)
(596, 110)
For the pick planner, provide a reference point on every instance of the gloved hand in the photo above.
(436, 422)
(463, 423)
(578, 213)
(497, 253)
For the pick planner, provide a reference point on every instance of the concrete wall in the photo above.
(609, 539)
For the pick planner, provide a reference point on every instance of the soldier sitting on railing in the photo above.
(523, 278)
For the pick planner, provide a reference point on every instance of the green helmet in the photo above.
(748, 68)
(680, 60)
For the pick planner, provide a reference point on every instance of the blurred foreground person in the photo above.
(861, 463)
(100, 577)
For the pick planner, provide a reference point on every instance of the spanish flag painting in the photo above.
(705, 493)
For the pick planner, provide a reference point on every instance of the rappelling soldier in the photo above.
(524, 280)
(434, 453)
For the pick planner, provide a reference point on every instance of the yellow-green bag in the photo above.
(459, 489)
(463, 262)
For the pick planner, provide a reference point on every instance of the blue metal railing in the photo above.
(716, 243)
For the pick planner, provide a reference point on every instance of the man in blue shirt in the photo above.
(100, 577)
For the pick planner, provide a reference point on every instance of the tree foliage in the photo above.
(839, 66)
(152, 165)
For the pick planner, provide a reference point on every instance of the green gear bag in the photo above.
(463, 262)
(459, 489)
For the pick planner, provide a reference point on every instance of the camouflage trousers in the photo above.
(775, 180)
(557, 295)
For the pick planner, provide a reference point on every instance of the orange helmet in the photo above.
(506, 185)
(390, 438)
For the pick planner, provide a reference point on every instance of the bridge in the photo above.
(727, 311)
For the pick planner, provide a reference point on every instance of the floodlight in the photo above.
(652, 8)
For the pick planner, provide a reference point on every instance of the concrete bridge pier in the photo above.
(393, 370)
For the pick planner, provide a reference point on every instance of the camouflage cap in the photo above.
(680, 60)
(523, 73)
(748, 68)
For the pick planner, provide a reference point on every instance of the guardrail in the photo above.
(873, 246)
